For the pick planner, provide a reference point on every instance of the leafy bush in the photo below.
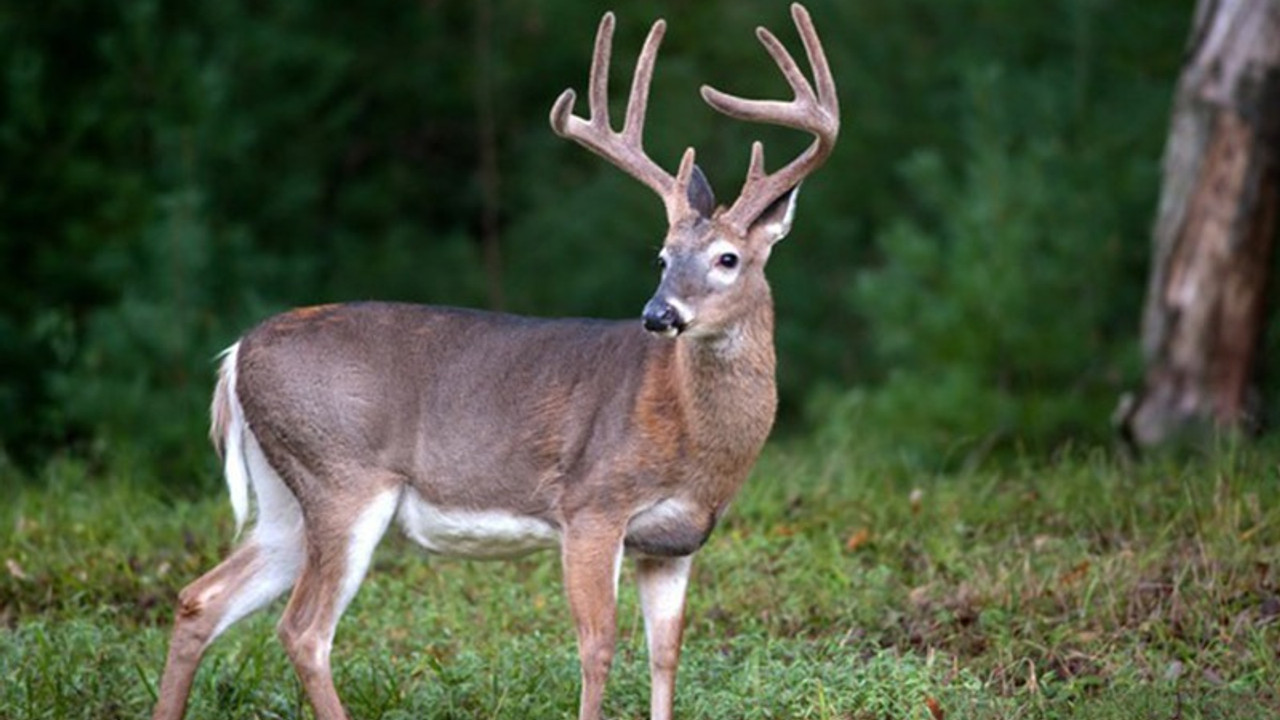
(995, 308)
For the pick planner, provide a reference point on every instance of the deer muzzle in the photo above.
(665, 316)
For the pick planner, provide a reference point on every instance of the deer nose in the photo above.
(661, 316)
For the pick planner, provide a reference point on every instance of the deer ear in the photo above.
(701, 198)
(775, 222)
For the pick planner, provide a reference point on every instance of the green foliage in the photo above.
(992, 307)
(971, 258)
(968, 311)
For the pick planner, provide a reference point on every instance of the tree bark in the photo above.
(1214, 230)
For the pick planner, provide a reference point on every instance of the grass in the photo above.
(841, 585)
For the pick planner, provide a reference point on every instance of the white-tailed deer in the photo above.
(490, 435)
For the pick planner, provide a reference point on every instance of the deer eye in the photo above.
(661, 262)
(727, 261)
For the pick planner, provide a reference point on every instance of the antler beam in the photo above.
(624, 149)
(816, 112)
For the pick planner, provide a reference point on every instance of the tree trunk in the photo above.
(1214, 230)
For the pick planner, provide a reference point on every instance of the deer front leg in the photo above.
(592, 558)
(662, 583)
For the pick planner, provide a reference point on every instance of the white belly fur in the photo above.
(472, 533)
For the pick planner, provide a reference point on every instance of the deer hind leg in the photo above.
(256, 573)
(592, 559)
(662, 583)
(340, 544)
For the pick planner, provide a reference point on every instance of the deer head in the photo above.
(713, 257)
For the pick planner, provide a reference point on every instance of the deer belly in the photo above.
(671, 528)
(479, 534)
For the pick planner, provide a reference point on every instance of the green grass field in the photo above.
(840, 586)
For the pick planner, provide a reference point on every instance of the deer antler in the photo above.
(818, 113)
(624, 149)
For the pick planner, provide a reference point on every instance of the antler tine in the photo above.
(624, 149)
(816, 112)
(817, 59)
(598, 80)
(638, 102)
(755, 170)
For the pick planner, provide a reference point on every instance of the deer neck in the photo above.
(726, 385)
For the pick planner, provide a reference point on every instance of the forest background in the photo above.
(965, 276)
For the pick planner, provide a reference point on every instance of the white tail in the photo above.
(490, 435)
(226, 430)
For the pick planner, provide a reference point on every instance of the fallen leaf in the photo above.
(935, 708)
(1086, 637)
(919, 596)
(1075, 573)
(15, 569)
(859, 538)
